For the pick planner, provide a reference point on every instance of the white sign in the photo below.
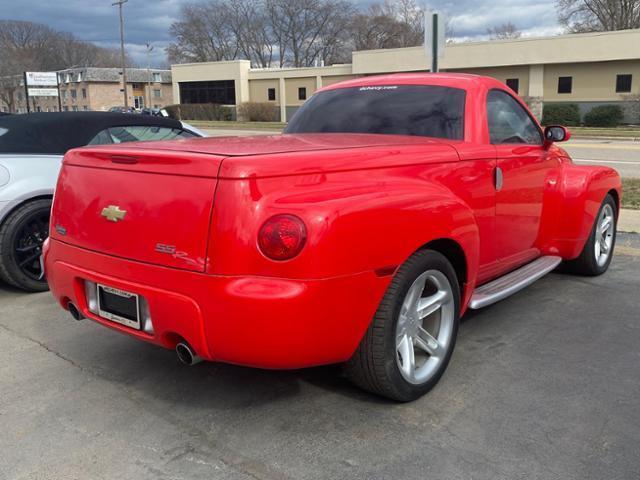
(42, 79)
(43, 92)
(434, 38)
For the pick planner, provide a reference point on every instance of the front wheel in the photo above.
(409, 343)
(21, 238)
(598, 251)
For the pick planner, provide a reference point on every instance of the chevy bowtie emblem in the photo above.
(113, 213)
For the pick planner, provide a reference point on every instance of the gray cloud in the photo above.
(149, 20)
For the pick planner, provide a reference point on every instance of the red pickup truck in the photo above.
(389, 207)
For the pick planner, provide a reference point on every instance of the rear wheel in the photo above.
(598, 251)
(21, 238)
(411, 338)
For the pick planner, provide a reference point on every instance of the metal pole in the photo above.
(149, 50)
(119, 3)
(434, 43)
(26, 92)
(59, 96)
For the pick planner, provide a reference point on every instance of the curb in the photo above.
(629, 221)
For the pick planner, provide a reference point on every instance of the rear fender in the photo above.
(572, 201)
(356, 222)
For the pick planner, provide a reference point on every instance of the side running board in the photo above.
(513, 282)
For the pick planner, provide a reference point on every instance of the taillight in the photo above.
(282, 237)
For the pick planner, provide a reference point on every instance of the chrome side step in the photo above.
(513, 282)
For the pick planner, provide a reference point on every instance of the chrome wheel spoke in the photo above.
(428, 305)
(407, 356)
(414, 293)
(428, 343)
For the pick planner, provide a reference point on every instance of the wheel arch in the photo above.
(455, 254)
(23, 202)
(616, 198)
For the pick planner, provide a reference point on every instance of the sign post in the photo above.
(41, 79)
(434, 39)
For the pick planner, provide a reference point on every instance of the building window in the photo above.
(157, 77)
(222, 92)
(623, 83)
(513, 84)
(74, 94)
(64, 95)
(272, 94)
(136, 86)
(302, 93)
(75, 108)
(85, 108)
(157, 93)
(84, 93)
(565, 84)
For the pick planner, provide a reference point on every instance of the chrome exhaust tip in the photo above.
(186, 355)
(75, 313)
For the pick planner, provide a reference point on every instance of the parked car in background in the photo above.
(389, 207)
(31, 150)
(156, 112)
(123, 110)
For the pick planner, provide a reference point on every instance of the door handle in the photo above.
(498, 178)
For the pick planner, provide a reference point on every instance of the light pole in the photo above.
(119, 3)
(149, 50)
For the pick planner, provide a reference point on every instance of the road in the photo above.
(542, 385)
(624, 156)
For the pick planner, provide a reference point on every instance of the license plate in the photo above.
(119, 306)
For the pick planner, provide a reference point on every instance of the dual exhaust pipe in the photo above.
(186, 354)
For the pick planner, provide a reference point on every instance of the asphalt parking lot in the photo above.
(542, 385)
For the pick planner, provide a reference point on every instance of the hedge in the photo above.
(561, 114)
(604, 116)
(200, 111)
(258, 112)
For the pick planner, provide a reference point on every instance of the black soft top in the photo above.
(56, 133)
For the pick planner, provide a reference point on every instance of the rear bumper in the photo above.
(255, 321)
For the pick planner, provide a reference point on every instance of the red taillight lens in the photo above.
(282, 237)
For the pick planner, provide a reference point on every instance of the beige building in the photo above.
(98, 89)
(587, 69)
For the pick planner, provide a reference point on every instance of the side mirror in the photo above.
(556, 133)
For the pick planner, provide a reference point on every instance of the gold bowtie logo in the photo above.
(113, 213)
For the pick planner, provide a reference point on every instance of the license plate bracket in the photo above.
(119, 306)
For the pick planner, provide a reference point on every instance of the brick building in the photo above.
(93, 89)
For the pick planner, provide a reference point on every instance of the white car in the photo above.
(31, 151)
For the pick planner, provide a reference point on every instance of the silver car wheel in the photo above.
(605, 230)
(425, 327)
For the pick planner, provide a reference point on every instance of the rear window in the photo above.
(419, 110)
(138, 134)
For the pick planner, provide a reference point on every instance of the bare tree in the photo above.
(506, 31)
(598, 15)
(392, 24)
(203, 34)
(251, 27)
(304, 29)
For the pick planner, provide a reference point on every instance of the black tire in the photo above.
(586, 264)
(374, 366)
(25, 228)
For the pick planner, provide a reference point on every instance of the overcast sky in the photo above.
(149, 20)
